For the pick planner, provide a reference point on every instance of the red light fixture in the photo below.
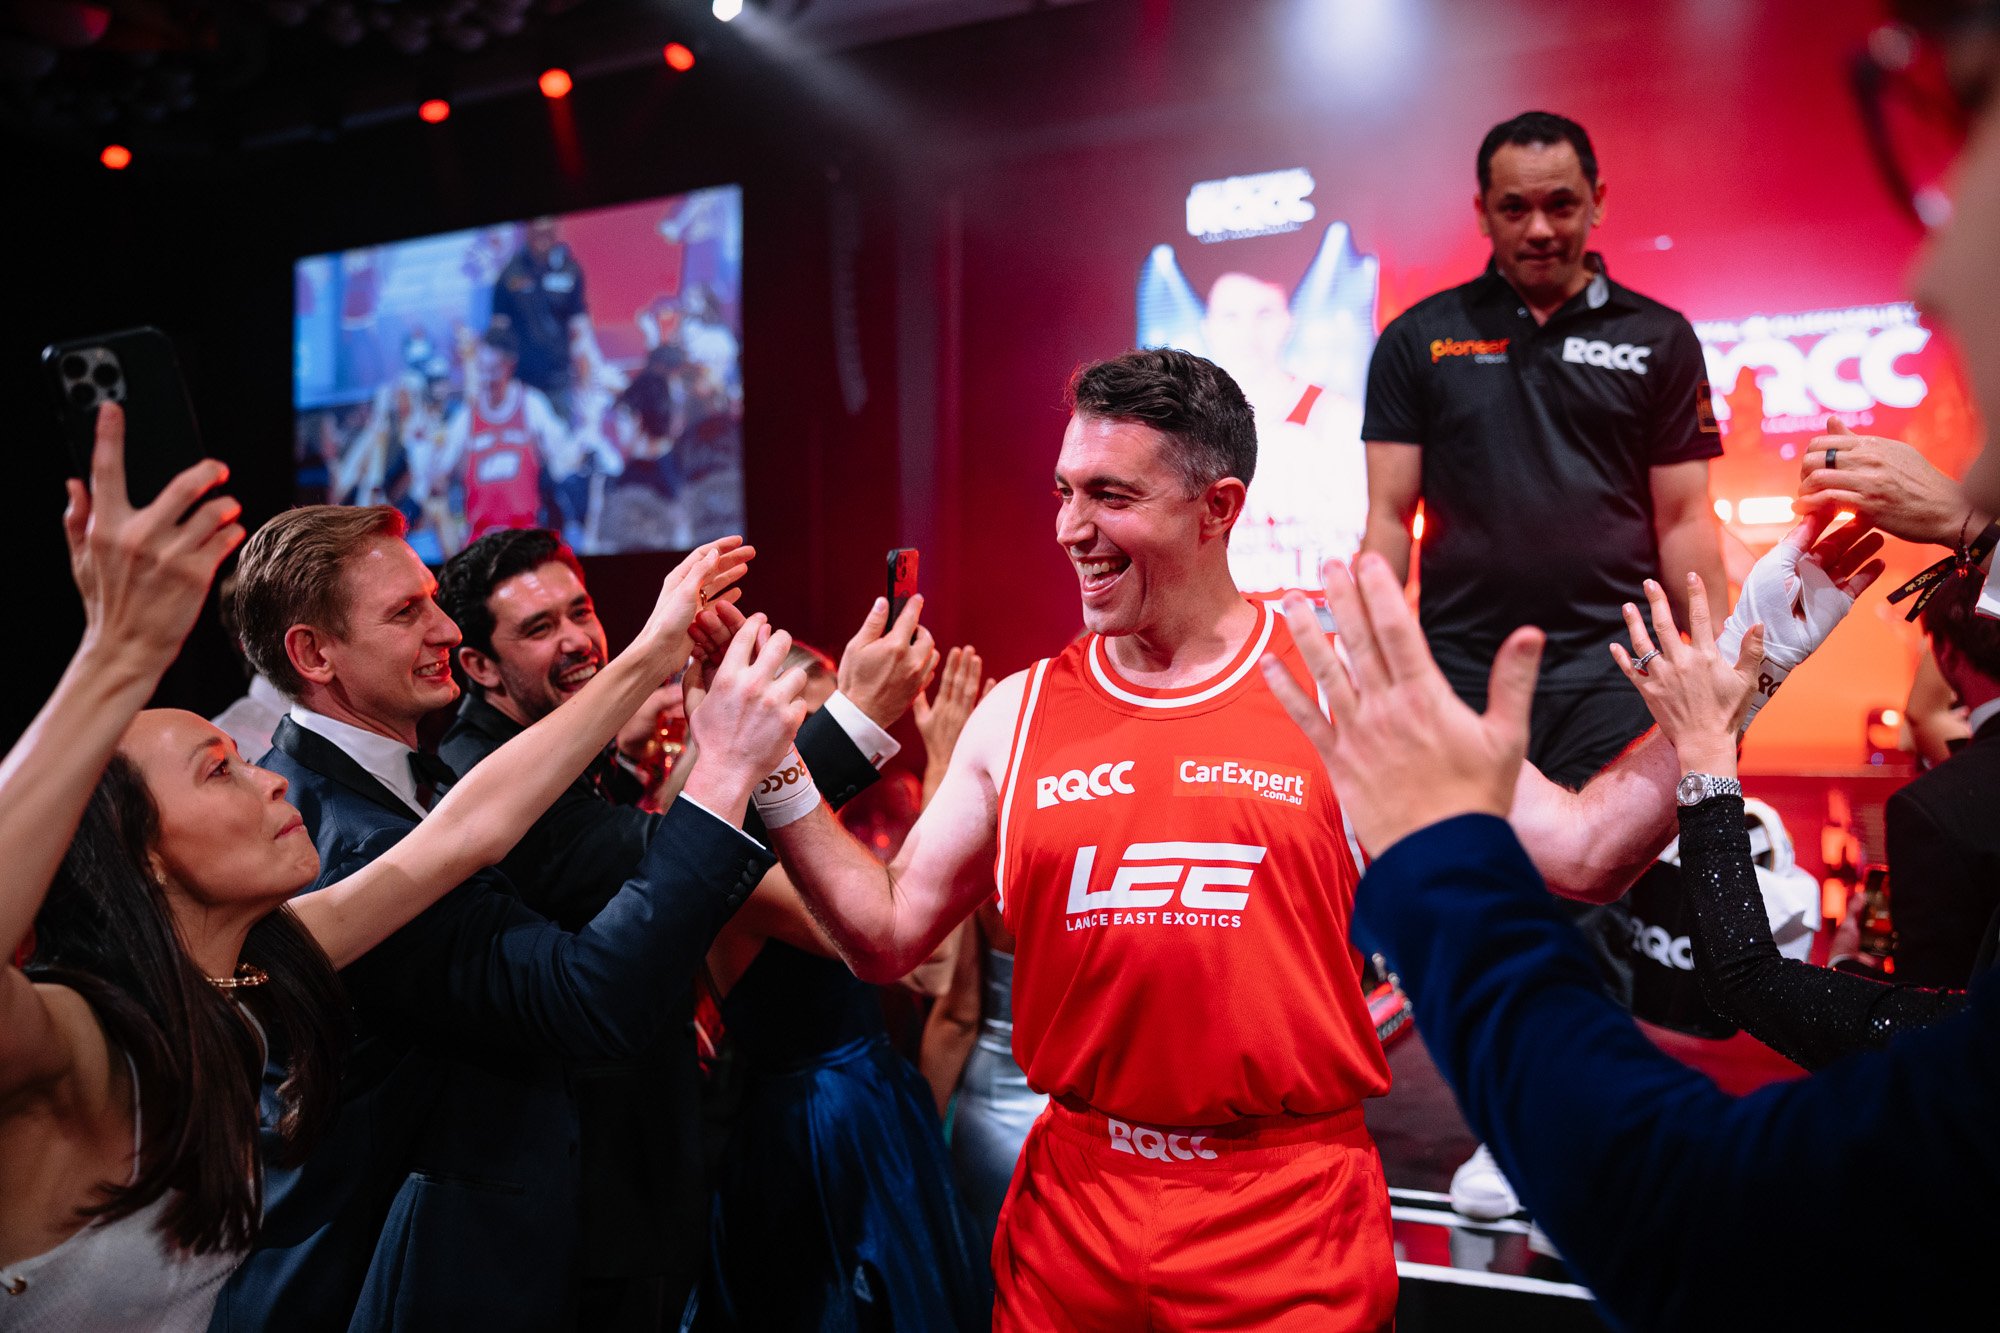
(436, 111)
(679, 58)
(116, 156)
(555, 83)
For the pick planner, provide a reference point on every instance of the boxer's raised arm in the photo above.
(886, 920)
(1592, 844)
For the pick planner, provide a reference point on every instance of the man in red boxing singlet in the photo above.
(1174, 863)
(504, 437)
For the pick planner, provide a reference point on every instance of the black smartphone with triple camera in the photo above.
(902, 579)
(137, 369)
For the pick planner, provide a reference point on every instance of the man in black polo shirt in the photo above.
(1557, 429)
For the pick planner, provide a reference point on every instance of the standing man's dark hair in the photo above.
(1533, 129)
(503, 340)
(1211, 430)
(470, 577)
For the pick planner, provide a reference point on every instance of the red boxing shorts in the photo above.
(1271, 1224)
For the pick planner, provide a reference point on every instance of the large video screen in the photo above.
(579, 372)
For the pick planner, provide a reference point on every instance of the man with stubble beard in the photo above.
(531, 640)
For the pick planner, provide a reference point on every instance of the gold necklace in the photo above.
(247, 975)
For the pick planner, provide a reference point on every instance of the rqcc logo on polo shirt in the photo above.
(1611, 356)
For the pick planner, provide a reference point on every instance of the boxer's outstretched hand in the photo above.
(1402, 750)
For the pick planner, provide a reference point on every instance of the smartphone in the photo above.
(137, 369)
(902, 579)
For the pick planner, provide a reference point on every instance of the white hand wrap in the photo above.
(1791, 595)
(788, 794)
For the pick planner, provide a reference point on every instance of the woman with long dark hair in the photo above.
(159, 949)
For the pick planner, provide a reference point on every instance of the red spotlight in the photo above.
(436, 111)
(116, 156)
(555, 83)
(679, 57)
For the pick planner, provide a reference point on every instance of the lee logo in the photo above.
(1077, 785)
(1205, 874)
(1592, 352)
(1481, 349)
(1144, 1142)
(1227, 777)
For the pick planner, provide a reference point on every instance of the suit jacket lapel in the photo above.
(322, 756)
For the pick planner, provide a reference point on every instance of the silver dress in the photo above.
(995, 1106)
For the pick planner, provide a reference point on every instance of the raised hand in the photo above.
(885, 667)
(1887, 483)
(1799, 592)
(144, 573)
(714, 628)
(751, 710)
(940, 720)
(1402, 750)
(1696, 694)
(703, 579)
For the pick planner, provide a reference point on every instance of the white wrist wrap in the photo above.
(1798, 604)
(788, 794)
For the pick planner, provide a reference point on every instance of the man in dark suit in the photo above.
(444, 1194)
(532, 639)
(1943, 841)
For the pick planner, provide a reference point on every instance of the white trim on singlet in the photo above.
(1010, 778)
(1103, 676)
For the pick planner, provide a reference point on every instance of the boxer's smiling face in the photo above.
(1126, 521)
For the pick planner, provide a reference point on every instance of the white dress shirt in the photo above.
(387, 760)
(871, 740)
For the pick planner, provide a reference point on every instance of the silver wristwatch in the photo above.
(1695, 788)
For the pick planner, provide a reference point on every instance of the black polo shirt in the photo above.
(539, 299)
(1538, 443)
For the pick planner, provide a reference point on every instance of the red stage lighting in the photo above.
(555, 83)
(434, 112)
(679, 57)
(116, 156)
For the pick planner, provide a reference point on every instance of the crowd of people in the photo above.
(572, 1020)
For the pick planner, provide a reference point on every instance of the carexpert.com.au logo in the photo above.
(1210, 776)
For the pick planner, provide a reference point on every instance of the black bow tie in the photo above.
(433, 776)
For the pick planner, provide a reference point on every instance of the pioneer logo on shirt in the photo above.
(1485, 351)
(1228, 777)
(1165, 884)
(1081, 785)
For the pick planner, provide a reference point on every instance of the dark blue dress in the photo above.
(834, 1208)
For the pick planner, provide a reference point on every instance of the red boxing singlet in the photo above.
(503, 473)
(1176, 869)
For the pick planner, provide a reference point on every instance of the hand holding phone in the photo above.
(902, 579)
(137, 369)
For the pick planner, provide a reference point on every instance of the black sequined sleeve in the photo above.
(1811, 1015)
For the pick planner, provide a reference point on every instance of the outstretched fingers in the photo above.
(1364, 665)
(1401, 643)
(1321, 659)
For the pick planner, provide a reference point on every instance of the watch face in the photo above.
(1691, 790)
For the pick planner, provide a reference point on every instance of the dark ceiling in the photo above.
(197, 77)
